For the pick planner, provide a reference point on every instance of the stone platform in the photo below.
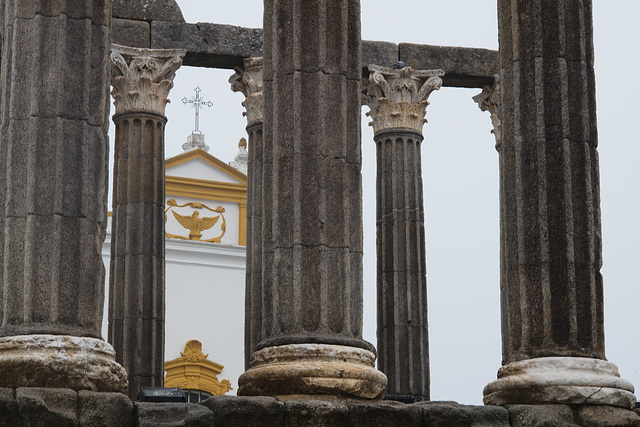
(64, 407)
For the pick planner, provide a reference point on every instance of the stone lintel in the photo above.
(463, 66)
(226, 46)
(129, 32)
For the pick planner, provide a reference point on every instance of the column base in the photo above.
(313, 369)
(560, 380)
(57, 361)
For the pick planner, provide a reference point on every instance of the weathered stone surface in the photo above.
(208, 45)
(438, 414)
(246, 411)
(605, 416)
(8, 407)
(312, 73)
(47, 406)
(54, 168)
(565, 380)
(489, 100)
(77, 363)
(173, 414)
(309, 369)
(147, 10)
(550, 227)
(136, 282)
(541, 416)
(378, 53)
(317, 413)
(464, 67)
(127, 32)
(105, 409)
(142, 78)
(226, 46)
(389, 414)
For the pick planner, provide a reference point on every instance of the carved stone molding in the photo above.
(249, 82)
(142, 78)
(398, 97)
(489, 100)
(241, 161)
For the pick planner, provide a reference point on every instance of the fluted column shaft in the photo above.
(311, 278)
(312, 191)
(249, 81)
(53, 175)
(550, 238)
(403, 343)
(552, 298)
(398, 102)
(142, 80)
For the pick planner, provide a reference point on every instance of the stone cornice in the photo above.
(398, 97)
(142, 78)
(489, 100)
(249, 82)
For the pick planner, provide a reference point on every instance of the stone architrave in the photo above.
(550, 234)
(308, 330)
(249, 82)
(489, 100)
(53, 174)
(398, 102)
(141, 82)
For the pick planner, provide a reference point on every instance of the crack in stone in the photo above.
(586, 400)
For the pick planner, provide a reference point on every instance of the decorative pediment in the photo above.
(198, 164)
(194, 371)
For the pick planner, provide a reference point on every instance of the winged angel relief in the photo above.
(194, 223)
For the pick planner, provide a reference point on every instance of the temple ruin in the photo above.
(306, 362)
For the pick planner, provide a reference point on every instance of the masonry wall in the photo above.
(62, 407)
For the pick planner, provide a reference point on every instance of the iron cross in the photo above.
(197, 104)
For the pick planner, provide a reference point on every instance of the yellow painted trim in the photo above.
(194, 371)
(242, 234)
(201, 154)
(203, 189)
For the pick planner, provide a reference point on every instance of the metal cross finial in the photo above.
(197, 104)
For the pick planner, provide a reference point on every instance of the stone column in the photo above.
(551, 286)
(142, 79)
(53, 204)
(310, 337)
(398, 102)
(249, 82)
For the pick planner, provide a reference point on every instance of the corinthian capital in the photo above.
(249, 82)
(489, 100)
(142, 78)
(398, 97)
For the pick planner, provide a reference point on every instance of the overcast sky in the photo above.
(460, 170)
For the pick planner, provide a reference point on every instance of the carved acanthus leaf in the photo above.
(249, 82)
(489, 100)
(398, 98)
(142, 78)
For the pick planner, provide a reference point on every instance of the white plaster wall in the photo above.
(204, 301)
